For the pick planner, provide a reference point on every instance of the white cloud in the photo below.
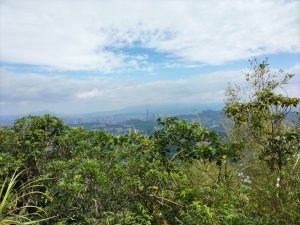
(293, 88)
(73, 35)
(21, 93)
(24, 93)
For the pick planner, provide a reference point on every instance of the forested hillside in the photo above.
(184, 173)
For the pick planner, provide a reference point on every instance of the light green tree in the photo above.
(261, 115)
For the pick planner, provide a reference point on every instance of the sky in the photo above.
(78, 56)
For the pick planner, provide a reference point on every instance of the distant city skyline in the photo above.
(95, 56)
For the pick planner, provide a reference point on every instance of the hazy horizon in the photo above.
(94, 56)
(141, 109)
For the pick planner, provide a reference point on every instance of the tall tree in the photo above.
(262, 115)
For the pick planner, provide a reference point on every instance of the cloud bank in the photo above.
(80, 35)
(31, 92)
(85, 55)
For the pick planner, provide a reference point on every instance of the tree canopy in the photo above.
(182, 174)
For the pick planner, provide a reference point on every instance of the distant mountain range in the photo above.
(141, 119)
(138, 112)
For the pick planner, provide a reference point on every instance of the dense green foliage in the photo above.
(182, 174)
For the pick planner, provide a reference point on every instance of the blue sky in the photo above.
(87, 56)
